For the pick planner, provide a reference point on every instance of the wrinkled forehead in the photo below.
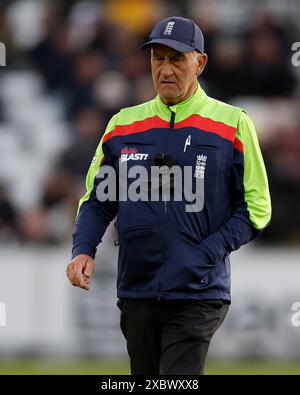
(160, 49)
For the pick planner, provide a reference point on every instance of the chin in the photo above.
(166, 94)
(169, 100)
(171, 88)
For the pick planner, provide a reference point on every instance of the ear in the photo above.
(202, 60)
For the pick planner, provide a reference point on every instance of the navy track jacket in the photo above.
(166, 252)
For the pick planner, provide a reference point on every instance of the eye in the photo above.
(177, 59)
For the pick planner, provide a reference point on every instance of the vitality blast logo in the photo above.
(2, 315)
(2, 54)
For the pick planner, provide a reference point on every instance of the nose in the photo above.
(166, 70)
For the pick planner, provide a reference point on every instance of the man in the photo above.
(173, 266)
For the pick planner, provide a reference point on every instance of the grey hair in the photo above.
(196, 55)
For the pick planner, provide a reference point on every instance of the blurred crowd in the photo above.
(83, 62)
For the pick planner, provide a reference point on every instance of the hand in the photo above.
(80, 270)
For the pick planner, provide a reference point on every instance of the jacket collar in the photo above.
(183, 109)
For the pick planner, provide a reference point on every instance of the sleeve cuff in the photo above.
(86, 249)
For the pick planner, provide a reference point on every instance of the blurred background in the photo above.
(71, 65)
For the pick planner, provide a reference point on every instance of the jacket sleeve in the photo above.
(93, 216)
(250, 194)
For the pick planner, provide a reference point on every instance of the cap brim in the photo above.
(180, 47)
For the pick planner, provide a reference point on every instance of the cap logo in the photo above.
(169, 28)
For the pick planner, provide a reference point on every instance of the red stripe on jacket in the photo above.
(238, 145)
(195, 121)
(208, 125)
(137, 127)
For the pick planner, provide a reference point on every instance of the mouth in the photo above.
(167, 82)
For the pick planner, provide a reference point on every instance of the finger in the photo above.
(79, 283)
(87, 280)
(85, 285)
(70, 269)
(76, 279)
(89, 268)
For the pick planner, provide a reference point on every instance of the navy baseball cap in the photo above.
(178, 33)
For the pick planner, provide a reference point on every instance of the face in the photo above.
(175, 73)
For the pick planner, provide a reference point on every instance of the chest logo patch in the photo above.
(132, 154)
(200, 166)
(187, 142)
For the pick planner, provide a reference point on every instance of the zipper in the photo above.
(172, 121)
(159, 297)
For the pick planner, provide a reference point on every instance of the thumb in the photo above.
(89, 268)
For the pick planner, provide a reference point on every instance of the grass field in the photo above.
(109, 367)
